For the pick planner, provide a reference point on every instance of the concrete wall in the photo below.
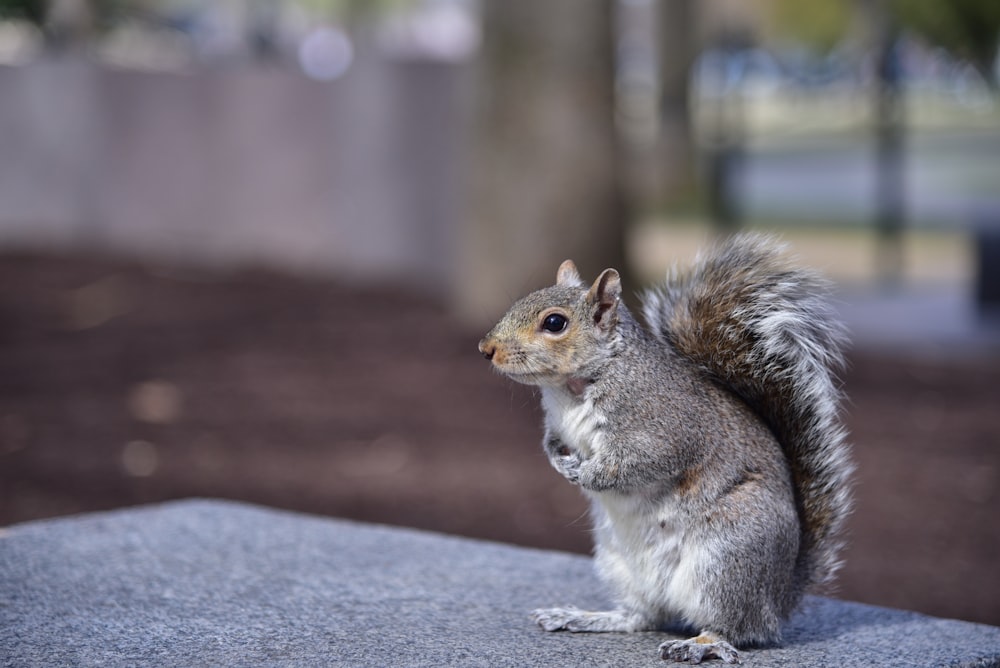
(236, 165)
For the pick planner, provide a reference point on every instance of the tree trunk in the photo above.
(543, 176)
(679, 43)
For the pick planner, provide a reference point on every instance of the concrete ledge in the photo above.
(217, 583)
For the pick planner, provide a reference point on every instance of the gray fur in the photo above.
(708, 443)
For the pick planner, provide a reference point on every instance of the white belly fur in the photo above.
(642, 553)
(576, 422)
(641, 550)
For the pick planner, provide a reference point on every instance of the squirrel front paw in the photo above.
(564, 459)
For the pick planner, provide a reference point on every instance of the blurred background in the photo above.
(247, 247)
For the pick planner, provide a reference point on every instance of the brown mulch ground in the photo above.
(122, 385)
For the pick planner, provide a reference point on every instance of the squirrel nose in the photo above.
(487, 349)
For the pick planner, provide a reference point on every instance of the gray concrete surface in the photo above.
(218, 583)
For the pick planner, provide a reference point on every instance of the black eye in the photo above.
(555, 323)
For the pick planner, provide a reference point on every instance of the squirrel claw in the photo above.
(695, 650)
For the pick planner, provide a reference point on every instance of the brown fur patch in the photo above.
(688, 481)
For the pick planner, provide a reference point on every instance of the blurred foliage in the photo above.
(26, 10)
(103, 13)
(819, 24)
(353, 8)
(969, 29)
(107, 12)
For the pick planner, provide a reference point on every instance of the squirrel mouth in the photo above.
(521, 376)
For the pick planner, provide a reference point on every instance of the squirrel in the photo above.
(708, 442)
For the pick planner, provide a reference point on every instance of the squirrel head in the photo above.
(560, 334)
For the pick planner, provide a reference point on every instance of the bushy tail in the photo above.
(767, 331)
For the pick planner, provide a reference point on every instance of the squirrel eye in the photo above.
(555, 323)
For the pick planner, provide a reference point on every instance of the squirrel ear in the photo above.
(605, 294)
(568, 276)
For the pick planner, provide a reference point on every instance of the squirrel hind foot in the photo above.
(576, 620)
(699, 648)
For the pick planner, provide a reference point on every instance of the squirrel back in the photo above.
(766, 330)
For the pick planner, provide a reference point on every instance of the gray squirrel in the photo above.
(708, 442)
